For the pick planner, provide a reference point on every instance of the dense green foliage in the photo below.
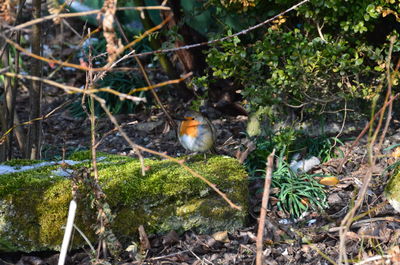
(287, 67)
(325, 53)
(318, 57)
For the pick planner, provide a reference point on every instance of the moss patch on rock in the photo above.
(392, 190)
(34, 204)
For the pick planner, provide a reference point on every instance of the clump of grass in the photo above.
(297, 192)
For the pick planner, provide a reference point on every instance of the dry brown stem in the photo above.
(362, 133)
(4, 136)
(263, 212)
(226, 37)
(149, 83)
(169, 82)
(81, 67)
(79, 14)
(388, 94)
(76, 90)
(114, 45)
(348, 219)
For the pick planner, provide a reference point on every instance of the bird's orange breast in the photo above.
(189, 127)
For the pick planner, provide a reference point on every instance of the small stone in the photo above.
(334, 199)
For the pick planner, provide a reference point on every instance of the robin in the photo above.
(196, 133)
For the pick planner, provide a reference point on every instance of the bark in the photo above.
(11, 95)
(34, 131)
(4, 113)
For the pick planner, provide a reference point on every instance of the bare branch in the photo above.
(227, 37)
(169, 82)
(263, 212)
(79, 14)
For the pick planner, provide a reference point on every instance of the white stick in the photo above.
(68, 232)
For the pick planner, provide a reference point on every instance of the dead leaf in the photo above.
(352, 236)
(221, 236)
(395, 253)
(329, 181)
(148, 126)
(242, 156)
(144, 240)
(396, 152)
(305, 201)
(171, 238)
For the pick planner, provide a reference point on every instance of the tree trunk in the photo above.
(5, 147)
(35, 129)
(11, 95)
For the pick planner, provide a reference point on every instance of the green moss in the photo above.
(393, 187)
(87, 155)
(21, 162)
(166, 198)
(81, 155)
(36, 178)
(166, 183)
(392, 190)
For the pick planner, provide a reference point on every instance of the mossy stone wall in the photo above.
(34, 204)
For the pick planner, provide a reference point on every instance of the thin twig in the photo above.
(388, 93)
(147, 32)
(2, 138)
(226, 37)
(355, 142)
(376, 219)
(205, 261)
(4, 70)
(348, 219)
(374, 258)
(319, 29)
(79, 14)
(74, 90)
(85, 238)
(149, 83)
(322, 254)
(84, 68)
(263, 212)
(169, 82)
(47, 60)
(344, 121)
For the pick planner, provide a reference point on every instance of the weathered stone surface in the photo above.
(392, 190)
(34, 204)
